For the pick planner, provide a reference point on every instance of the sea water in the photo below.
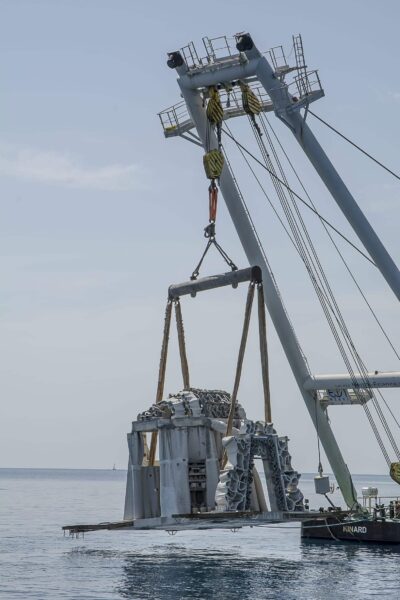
(37, 561)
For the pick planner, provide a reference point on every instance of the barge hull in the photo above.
(371, 531)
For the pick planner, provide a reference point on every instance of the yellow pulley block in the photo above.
(213, 163)
(395, 472)
(215, 112)
(251, 104)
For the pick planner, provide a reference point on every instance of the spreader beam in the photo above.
(232, 278)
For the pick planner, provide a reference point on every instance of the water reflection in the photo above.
(183, 573)
(325, 570)
(351, 549)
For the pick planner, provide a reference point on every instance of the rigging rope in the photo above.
(298, 197)
(338, 316)
(264, 255)
(321, 285)
(389, 409)
(163, 363)
(262, 331)
(262, 189)
(355, 145)
(302, 241)
(161, 375)
(333, 242)
(343, 327)
(210, 233)
(182, 345)
(239, 365)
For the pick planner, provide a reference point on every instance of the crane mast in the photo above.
(189, 120)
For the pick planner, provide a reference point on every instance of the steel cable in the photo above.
(375, 160)
(322, 286)
(299, 197)
(333, 241)
(342, 324)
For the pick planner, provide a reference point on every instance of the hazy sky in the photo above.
(99, 214)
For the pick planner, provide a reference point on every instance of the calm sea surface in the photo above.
(36, 561)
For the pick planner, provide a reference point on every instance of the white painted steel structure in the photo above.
(345, 382)
(249, 66)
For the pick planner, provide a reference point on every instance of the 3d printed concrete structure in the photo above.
(188, 479)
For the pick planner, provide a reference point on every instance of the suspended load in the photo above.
(187, 479)
(205, 475)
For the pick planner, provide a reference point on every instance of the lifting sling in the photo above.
(192, 287)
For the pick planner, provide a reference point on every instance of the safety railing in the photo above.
(278, 59)
(383, 507)
(231, 99)
(220, 47)
(308, 84)
(191, 57)
(217, 49)
(175, 120)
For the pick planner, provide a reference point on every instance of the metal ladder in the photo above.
(300, 64)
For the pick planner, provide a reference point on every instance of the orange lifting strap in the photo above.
(213, 200)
